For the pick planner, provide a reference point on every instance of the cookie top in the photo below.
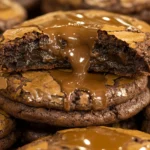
(11, 13)
(93, 138)
(74, 39)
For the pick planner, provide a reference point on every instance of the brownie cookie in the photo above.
(11, 13)
(77, 118)
(138, 8)
(94, 138)
(98, 37)
(8, 136)
(46, 89)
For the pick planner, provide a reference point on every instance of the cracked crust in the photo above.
(77, 118)
(20, 42)
(57, 142)
(39, 89)
(32, 54)
(115, 56)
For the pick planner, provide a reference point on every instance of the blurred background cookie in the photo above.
(137, 8)
(11, 13)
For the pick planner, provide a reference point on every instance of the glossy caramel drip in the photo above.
(91, 21)
(73, 37)
(98, 139)
(94, 139)
(78, 45)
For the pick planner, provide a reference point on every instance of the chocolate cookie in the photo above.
(76, 118)
(52, 91)
(98, 37)
(94, 138)
(8, 135)
(11, 13)
(139, 9)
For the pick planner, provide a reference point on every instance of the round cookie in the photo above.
(77, 118)
(41, 89)
(94, 138)
(11, 13)
(139, 9)
(100, 36)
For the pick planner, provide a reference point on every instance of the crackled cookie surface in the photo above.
(84, 41)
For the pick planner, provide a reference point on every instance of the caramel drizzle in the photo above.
(79, 40)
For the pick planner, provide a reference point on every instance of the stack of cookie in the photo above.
(137, 8)
(75, 69)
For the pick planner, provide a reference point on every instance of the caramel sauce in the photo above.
(97, 138)
(78, 33)
(79, 44)
(87, 21)
(93, 138)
